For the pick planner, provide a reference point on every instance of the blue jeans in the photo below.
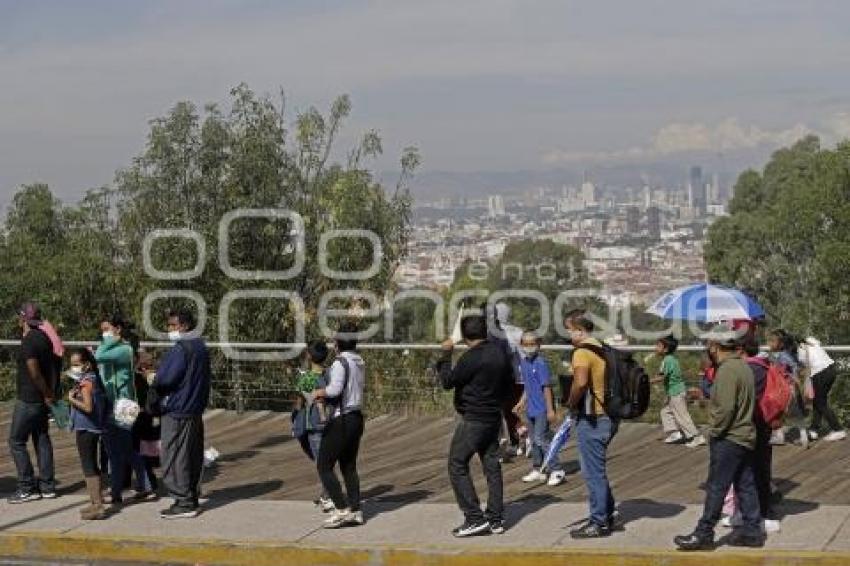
(119, 449)
(30, 420)
(730, 464)
(593, 434)
(314, 439)
(540, 442)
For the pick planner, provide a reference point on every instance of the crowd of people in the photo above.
(126, 415)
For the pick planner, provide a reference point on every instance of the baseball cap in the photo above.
(725, 335)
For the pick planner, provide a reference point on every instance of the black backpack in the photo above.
(626, 383)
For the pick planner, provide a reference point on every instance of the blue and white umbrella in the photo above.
(558, 443)
(706, 303)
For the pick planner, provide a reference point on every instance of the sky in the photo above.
(477, 85)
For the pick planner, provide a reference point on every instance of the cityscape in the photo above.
(636, 240)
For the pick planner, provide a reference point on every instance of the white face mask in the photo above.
(530, 352)
(174, 335)
(107, 335)
(75, 373)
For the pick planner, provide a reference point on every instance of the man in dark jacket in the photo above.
(183, 383)
(482, 380)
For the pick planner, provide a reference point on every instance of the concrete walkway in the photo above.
(288, 532)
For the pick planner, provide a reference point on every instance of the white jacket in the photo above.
(813, 356)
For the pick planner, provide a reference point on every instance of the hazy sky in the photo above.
(477, 85)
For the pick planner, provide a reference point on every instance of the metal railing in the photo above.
(836, 348)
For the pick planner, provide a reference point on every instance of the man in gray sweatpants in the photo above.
(183, 383)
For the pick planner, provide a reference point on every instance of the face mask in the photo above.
(174, 335)
(75, 373)
(107, 336)
(530, 352)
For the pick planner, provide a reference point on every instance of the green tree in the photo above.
(787, 239)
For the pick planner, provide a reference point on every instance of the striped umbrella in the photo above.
(706, 303)
(559, 442)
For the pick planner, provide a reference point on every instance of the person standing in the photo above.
(343, 431)
(183, 383)
(675, 417)
(594, 428)
(482, 381)
(823, 373)
(89, 409)
(539, 405)
(310, 414)
(37, 381)
(507, 336)
(733, 439)
(783, 348)
(115, 358)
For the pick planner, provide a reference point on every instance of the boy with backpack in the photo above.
(310, 416)
(675, 418)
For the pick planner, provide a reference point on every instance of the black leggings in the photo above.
(87, 446)
(341, 443)
(823, 382)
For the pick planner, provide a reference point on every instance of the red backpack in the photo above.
(773, 404)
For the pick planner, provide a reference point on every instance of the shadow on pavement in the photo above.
(382, 500)
(221, 497)
(637, 509)
(788, 507)
(527, 505)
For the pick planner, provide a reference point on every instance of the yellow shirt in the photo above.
(583, 358)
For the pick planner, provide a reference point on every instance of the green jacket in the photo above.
(733, 399)
(115, 362)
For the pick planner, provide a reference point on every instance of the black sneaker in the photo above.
(694, 541)
(497, 527)
(24, 497)
(468, 529)
(616, 522)
(738, 538)
(590, 530)
(48, 494)
(175, 512)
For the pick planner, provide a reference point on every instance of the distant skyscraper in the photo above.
(632, 220)
(496, 206)
(653, 222)
(647, 196)
(699, 200)
(588, 193)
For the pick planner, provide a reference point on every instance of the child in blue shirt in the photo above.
(538, 402)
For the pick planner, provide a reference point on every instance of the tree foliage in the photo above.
(787, 239)
(85, 260)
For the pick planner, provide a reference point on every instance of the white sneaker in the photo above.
(813, 435)
(835, 435)
(771, 526)
(534, 476)
(696, 442)
(556, 478)
(338, 518)
(674, 438)
(326, 504)
(804, 438)
(777, 437)
(355, 518)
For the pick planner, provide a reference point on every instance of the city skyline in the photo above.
(477, 86)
